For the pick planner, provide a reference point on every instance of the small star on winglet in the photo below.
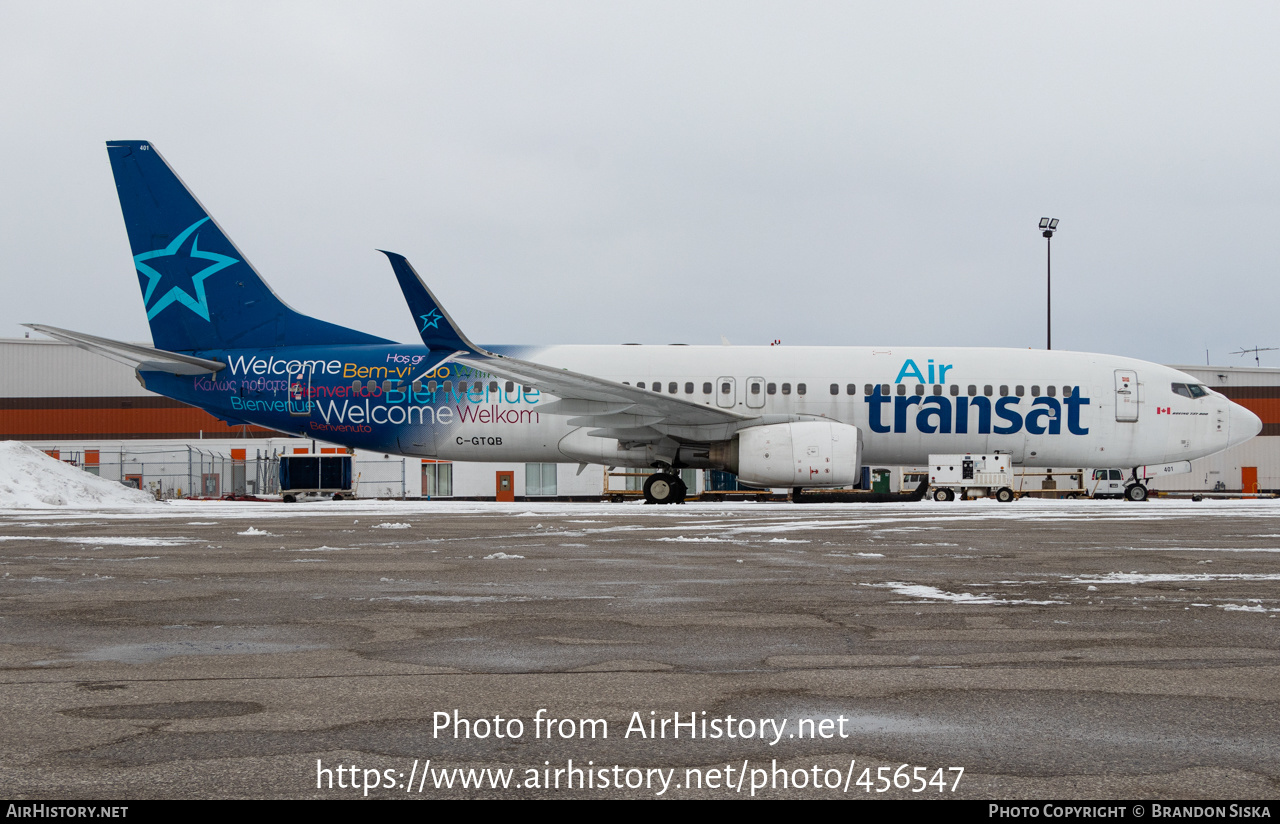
(431, 319)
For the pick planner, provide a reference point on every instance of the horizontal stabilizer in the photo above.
(142, 358)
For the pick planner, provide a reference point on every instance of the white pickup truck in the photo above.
(1105, 483)
(1121, 483)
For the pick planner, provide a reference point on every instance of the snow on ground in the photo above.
(935, 594)
(107, 540)
(725, 520)
(30, 479)
(1174, 578)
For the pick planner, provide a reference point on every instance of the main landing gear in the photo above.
(664, 488)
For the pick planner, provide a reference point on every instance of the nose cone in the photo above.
(1243, 425)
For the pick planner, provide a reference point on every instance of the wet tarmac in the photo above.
(1050, 649)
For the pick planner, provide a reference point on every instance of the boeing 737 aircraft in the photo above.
(777, 417)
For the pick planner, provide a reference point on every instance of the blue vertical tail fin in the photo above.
(198, 290)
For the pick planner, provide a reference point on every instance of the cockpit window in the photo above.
(1190, 390)
(1182, 389)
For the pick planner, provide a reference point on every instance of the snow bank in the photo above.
(30, 479)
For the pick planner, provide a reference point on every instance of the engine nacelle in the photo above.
(803, 453)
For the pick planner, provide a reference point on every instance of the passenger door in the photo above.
(1126, 396)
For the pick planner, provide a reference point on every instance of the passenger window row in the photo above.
(726, 388)
(972, 390)
(955, 389)
(673, 387)
(447, 386)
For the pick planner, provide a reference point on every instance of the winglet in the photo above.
(435, 327)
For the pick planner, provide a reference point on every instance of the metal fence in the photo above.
(191, 472)
(378, 479)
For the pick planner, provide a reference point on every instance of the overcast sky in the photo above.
(823, 173)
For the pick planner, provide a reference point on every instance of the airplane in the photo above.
(793, 417)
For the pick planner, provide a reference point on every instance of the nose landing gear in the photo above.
(1135, 492)
(664, 488)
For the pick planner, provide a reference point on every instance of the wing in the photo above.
(612, 409)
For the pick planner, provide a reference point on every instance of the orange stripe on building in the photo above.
(1266, 408)
(42, 424)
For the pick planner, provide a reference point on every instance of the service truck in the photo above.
(952, 476)
(1130, 484)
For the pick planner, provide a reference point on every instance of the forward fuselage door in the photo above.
(726, 392)
(755, 392)
(1126, 395)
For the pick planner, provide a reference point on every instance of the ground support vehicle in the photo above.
(315, 476)
(952, 476)
(1105, 483)
(1130, 485)
(1053, 483)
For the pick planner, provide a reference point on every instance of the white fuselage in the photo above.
(1043, 408)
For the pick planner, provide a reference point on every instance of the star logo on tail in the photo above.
(184, 269)
(431, 319)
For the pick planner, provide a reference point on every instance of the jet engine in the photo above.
(801, 453)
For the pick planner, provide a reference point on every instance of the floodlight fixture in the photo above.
(1048, 225)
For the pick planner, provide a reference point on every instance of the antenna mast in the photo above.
(1254, 351)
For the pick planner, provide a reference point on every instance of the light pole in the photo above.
(1049, 225)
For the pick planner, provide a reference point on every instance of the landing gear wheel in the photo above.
(942, 494)
(1135, 492)
(662, 488)
(1004, 495)
(288, 499)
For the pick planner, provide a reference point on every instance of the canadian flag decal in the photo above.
(1166, 410)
